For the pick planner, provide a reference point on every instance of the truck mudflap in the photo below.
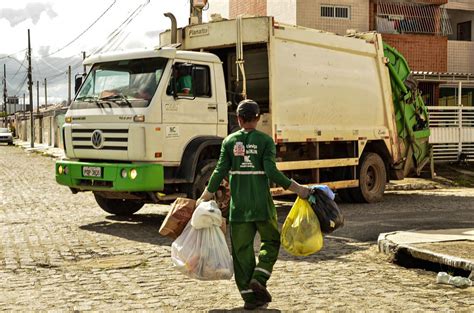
(96, 176)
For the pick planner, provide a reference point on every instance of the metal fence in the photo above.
(399, 17)
(452, 132)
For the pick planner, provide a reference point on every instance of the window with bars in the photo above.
(336, 11)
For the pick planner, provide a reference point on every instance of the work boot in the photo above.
(254, 305)
(260, 291)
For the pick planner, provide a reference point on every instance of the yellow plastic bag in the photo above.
(301, 234)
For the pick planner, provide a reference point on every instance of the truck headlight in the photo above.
(60, 169)
(66, 170)
(133, 173)
(68, 119)
(123, 173)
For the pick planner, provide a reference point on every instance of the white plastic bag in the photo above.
(207, 214)
(203, 253)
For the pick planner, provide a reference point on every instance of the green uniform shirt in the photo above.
(184, 82)
(249, 159)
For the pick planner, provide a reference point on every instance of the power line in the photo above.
(112, 38)
(21, 65)
(83, 32)
(11, 54)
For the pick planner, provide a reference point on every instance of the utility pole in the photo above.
(45, 94)
(69, 85)
(38, 97)
(5, 95)
(24, 104)
(30, 91)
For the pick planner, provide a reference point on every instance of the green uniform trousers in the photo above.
(242, 236)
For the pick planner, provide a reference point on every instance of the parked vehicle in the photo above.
(6, 136)
(342, 110)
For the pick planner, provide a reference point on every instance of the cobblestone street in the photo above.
(60, 251)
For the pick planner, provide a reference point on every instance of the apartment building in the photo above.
(435, 36)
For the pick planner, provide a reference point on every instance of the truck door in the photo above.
(192, 111)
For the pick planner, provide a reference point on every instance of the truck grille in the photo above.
(111, 139)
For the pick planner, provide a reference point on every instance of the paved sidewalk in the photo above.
(41, 148)
(451, 247)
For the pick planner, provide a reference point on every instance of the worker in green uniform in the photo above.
(184, 81)
(248, 157)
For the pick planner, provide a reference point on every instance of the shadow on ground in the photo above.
(398, 211)
(139, 227)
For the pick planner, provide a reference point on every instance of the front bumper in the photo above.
(6, 139)
(150, 177)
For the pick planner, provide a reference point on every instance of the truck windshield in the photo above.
(130, 83)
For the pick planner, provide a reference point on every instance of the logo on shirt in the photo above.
(247, 162)
(239, 149)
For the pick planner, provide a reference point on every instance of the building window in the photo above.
(464, 31)
(336, 11)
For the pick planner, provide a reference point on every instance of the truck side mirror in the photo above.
(77, 82)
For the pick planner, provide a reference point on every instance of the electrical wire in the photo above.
(83, 32)
(114, 37)
(21, 65)
(11, 54)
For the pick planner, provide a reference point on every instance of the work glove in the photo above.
(302, 191)
(206, 196)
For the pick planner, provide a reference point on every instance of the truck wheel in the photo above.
(204, 172)
(121, 207)
(372, 178)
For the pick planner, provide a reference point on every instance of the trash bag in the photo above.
(329, 215)
(207, 214)
(203, 253)
(301, 234)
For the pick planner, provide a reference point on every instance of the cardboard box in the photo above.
(181, 211)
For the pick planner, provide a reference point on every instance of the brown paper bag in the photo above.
(179, 215)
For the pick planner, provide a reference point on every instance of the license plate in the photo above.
(92, 171)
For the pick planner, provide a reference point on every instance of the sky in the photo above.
(60, 30)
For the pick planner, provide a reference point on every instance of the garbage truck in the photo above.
(146, 126)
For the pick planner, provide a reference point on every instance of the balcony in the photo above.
(421, 17)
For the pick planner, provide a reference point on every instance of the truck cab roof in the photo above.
(164, 52)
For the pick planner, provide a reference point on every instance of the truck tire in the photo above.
(372, 178)
(121, 207)
(204, 172)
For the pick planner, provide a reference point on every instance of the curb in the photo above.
(393, 249)
(41, 150)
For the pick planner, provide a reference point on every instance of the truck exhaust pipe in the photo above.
(174, 27)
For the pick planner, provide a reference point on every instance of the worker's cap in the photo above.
(248, 109)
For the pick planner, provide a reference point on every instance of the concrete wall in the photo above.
(460, 56)
(309, 15)
(218, 6)
(249, 7)
(460, 5)
(423, 52)
(283, 11)
(47, 128)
